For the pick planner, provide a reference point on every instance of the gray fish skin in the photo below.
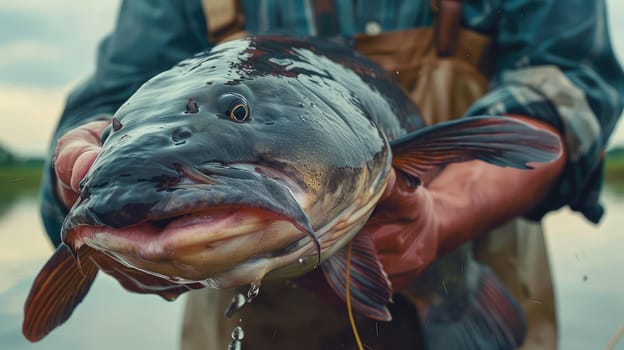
(313, 151)
(259, 160)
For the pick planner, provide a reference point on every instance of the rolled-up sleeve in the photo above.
(554, 62)
(149, 37)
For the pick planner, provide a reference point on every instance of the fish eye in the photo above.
(235, 107)
(239, 112)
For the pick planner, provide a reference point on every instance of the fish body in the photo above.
(300, 156)
(262, 158)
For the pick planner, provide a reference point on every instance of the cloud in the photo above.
(89, 14)
(21, 51)
(31, 63)
(47, 45)
(28, 116)
(51, 43)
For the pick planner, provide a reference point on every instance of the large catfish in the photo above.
(262, 158)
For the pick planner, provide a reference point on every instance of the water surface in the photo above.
(587, 262)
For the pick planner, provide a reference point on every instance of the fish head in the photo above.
(218, 173)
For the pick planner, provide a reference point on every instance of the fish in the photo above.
(262, 158)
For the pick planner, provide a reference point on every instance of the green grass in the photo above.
(20, 177)
(614, 166)
(18, 180)
(25, 176)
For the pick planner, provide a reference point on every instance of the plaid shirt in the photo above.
(553, 61)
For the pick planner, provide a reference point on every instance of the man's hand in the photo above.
(414, 225)
(405, 230)
(73, 156)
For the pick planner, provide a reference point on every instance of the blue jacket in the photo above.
(552, 60)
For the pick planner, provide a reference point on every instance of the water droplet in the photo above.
(253, 291)
(238, 333)
(300, 104)
(311, 104)
(301, 261)
(204, 283)
(235, 345)
(397, 72)
(237, 303)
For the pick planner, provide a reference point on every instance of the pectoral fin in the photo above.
(58, 289)
(501, 141)
(370, 288)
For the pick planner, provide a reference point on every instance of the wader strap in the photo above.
(325, 17)
(446, 25)
(224, 18)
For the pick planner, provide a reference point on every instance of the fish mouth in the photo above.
(196, 246)
(200, 228)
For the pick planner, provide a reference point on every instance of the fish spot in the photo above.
(191, 106)
(233, 82)
(116, 124)
(181, 134)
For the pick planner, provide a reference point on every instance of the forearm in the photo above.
(471, 198)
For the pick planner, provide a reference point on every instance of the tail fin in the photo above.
(490, 319)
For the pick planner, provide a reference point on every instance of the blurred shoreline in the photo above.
(23, 174)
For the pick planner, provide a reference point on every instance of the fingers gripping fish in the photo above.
(259, 159)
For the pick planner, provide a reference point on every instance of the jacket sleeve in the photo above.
(553, 61)
(149, 37)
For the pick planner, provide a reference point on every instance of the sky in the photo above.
(48, 47)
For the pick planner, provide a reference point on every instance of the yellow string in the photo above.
(616, 338)
(349, 310)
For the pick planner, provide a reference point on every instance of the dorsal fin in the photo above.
(59, 287)
(501, 141)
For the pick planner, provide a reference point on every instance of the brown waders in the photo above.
(444, 69)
